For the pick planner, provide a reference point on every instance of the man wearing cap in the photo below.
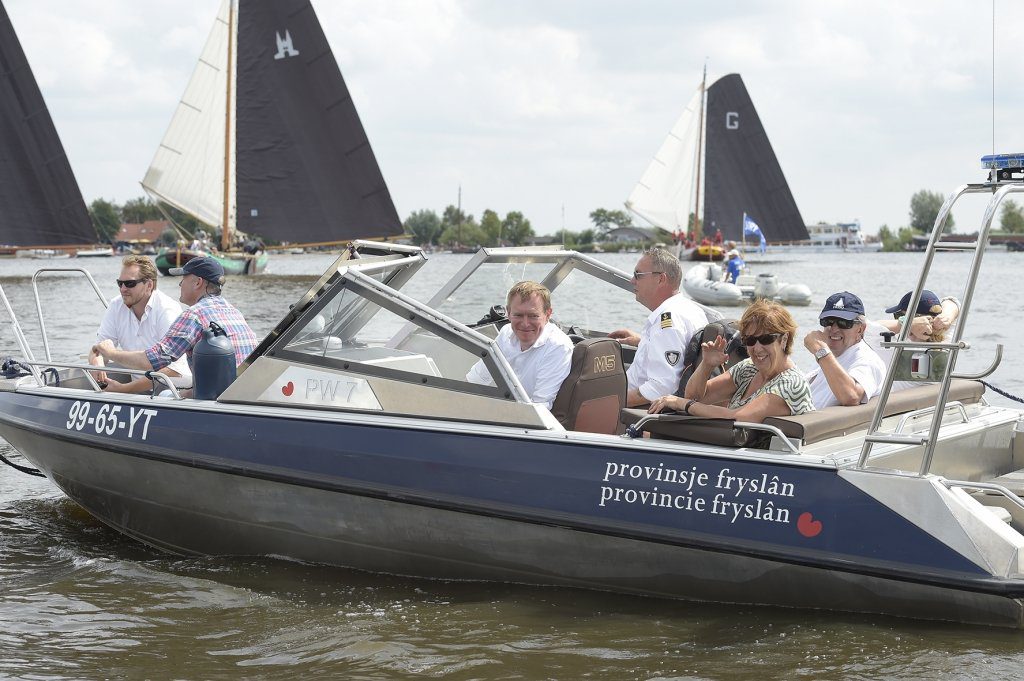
(661, 344)
(849, 372)
(928, 325)
(200, 285)
(137, 318)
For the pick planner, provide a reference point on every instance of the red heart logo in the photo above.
(290, 388)
(807, 525)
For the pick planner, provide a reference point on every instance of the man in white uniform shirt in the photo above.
(661, 344)
(539, 353)
(137, 319)
(849, 372)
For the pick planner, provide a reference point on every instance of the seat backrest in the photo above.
(594, 392)
(735, 349)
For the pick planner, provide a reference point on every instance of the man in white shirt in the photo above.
(137, 319)
(539, 353)
(849, 372)
(661, 344)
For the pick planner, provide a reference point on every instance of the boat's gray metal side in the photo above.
(183, 509)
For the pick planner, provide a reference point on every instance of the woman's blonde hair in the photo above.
(769, 317)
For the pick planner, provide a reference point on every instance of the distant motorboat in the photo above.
(42, 254)
(95, 252)
(703, 282)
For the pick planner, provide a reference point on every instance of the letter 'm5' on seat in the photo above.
(594, 392)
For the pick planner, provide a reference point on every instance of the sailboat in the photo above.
(718, 137)
(266, 142)
(41, 206)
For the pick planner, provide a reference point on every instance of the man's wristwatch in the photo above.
(821, 353)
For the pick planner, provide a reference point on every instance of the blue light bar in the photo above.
(1001, 161)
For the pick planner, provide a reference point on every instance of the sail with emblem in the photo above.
(739, 169)
(40, 202)
(266, 138)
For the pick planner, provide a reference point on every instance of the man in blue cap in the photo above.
(200, 289)
(849, 372)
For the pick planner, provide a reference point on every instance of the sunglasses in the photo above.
(637, 275)
(129, 283)
(763, 339)
(836, 321)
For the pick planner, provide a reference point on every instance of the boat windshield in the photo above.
(359, 323)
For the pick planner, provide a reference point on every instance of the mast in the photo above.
(700, 143)
(225, 237)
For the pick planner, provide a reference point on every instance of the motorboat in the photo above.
(351, 437)
(704, 283)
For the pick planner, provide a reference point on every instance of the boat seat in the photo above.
(594, 392)
(811, 427)
(729, 328)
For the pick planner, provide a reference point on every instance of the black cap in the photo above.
(843, 305)
(205, 268)
(924, 306)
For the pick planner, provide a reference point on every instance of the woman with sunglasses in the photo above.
(849, 372)
(767, 384)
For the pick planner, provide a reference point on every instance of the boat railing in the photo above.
(39, 307)
(636, 429)
(986, 487)
(999, 189)
(88, 370)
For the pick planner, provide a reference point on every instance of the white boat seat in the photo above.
(811, 427)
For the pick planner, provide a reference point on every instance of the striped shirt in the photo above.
(790, 385)
(188, 328)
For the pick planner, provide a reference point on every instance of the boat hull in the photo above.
(466, 504)
(233, 265)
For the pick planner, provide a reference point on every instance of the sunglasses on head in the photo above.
(763, 339)
(129, 283)
(841, 323)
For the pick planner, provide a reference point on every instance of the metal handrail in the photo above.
(39, 306)
(991, 486)
(89, 369)
(19, 335)
(987, 372)
(930, 410)
(644, 420)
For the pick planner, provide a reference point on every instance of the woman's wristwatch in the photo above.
(686, 409)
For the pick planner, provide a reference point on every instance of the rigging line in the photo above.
(23, 469)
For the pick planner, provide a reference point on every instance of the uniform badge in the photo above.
(672, 356)
(666, 321)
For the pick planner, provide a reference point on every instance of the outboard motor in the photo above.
(213, 363)
(766, 286)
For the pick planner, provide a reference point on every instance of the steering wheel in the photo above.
(497, 315)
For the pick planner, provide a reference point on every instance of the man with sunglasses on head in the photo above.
(200, 289)
(135, 320)
(661, 344)
(849, 372)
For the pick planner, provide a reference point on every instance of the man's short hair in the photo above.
(663, 261)
(147, 270)
(525, 290)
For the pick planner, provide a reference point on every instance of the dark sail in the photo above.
(741, 171)
(40, 203)
(304, 167)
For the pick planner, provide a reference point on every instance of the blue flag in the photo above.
(751, 229)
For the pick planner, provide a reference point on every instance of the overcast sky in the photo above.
(539, 105)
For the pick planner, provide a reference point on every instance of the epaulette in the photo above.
(666, 320)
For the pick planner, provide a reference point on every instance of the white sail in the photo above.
(188, 170)
(665, 195)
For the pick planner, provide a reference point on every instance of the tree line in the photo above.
(924, 209)
(108, 216)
